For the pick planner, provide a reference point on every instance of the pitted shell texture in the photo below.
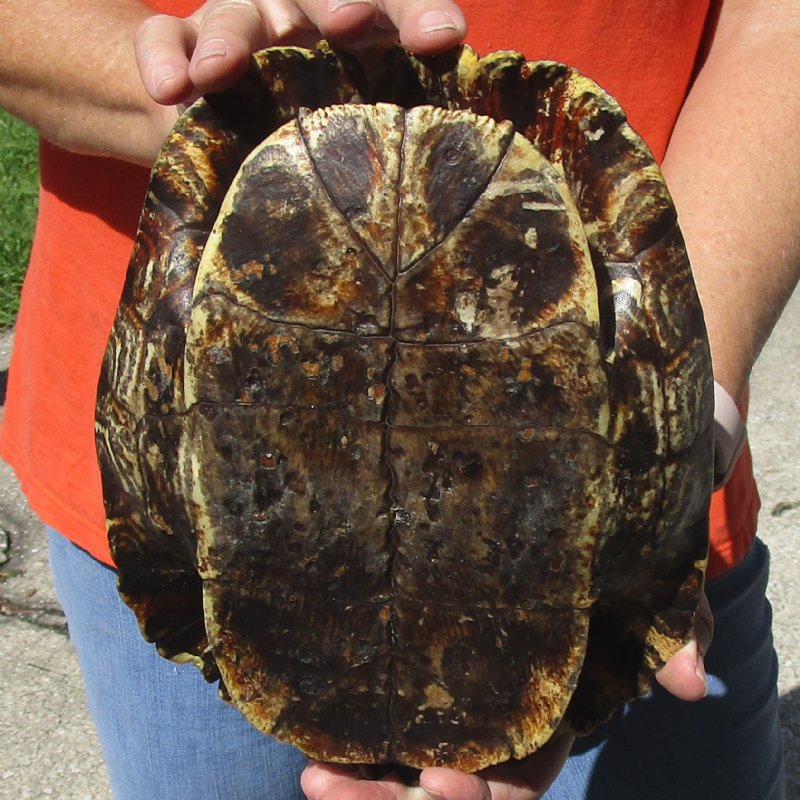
(404, 422)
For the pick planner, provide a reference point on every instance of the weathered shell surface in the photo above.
(404, 422)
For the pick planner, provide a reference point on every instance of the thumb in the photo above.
(684, 674)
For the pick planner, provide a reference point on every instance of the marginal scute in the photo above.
(404, 423)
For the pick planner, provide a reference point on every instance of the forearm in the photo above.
(733, 169)
(69, 70)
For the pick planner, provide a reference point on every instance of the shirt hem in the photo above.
(52, 511)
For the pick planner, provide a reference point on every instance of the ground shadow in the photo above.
(3, 384)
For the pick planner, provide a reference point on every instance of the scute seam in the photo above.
(392, 542)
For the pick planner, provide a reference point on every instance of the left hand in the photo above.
(684, 675)
(181, 59)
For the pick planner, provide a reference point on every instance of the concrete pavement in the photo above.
(48, 747)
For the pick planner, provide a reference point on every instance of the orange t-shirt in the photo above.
(643, 53)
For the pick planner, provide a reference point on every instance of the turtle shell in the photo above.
(405, 419)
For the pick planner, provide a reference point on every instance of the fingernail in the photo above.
(432, 21)
(162, 75)
(213, 48)
(431, 794)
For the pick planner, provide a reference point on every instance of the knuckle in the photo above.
(153, 26)
(153, 34)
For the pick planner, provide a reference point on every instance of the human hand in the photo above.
(684, 674)
(519, 780)
(180, 59)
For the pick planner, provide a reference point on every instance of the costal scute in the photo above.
(404, 422)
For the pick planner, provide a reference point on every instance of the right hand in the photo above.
(180, 59)
(526, 779)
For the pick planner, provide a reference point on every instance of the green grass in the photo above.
(18, 195)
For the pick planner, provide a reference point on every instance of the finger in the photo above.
(341, 20)
(331, 782)
(529, 778)
(317, 780)
(684, 674)
(229, 32)
(161, 45)
(426, 26)
(447, 784)
(526, 779)
(327, 782)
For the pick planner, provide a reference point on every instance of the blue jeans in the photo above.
(164, 731)
(166, 735)
(725, 746)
